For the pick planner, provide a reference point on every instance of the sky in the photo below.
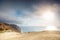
(29, 13)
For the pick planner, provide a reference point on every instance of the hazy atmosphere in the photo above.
(31, 15)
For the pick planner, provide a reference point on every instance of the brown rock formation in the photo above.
(9, 27)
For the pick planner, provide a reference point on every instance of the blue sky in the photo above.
(25, 12)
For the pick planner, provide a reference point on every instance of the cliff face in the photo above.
(9, 28)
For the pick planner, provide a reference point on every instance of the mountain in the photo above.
(4, 27)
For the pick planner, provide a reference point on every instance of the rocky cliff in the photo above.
(4, 27)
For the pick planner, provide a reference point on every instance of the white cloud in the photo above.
(29, 18)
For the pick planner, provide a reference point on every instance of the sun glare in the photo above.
(48, 15)
(51, 28)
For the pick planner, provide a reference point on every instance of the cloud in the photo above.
(35, 17)
(27, 13)
(22, 14)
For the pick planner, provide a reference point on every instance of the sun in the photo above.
(48, 15)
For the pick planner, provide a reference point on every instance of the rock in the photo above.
(4, 27)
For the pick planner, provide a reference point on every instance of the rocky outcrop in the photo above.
(9, 27)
